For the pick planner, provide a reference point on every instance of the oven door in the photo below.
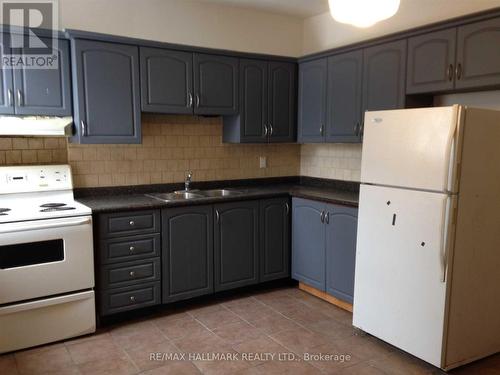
(45, 257)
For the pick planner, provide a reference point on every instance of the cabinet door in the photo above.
(341, 232)
(274, 239)
(215, 84)
(384, 76)
(6, 83)
(253, 100)
(106, 92)
(236, 244)
(281, 118)
(312, 101)
(45, 92)
(187, 252)
(166, 81)
(308, 243)
(431, 62)
(344, 97)
(478, 54)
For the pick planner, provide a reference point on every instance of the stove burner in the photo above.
(3, 210)
(53, 205)
(57, 208)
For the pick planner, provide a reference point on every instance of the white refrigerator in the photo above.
(428, 249)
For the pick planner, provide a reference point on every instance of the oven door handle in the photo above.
(23, 227)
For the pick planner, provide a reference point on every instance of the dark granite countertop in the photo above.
(134, 198)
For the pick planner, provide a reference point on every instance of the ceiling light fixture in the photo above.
(362, 13)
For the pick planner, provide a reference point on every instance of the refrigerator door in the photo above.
(410, 148)
(399, 293)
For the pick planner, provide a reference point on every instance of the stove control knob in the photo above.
(132, 299)
(132, 223)
(132, 249)
(132, 273)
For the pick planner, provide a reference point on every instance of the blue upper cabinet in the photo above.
(45, 92)
(106, 92)
(215, 84)
(166, 81)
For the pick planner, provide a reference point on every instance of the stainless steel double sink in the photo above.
(194, 194)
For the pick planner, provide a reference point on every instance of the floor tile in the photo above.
(129, 335)
(275, 323)
(361, 369)
(401, 363)
(330, 358)
(202, 342)
(174, 368)
(109, 366)
(303, 314)
(252, 311)
(218, 318)
(330, 328)
(142, 355)
(178, 328)
(238, 332)
(260, 350)
(44, 359)
(8, 364)
(223, 367)
(92, 350)
(298, 340)
(288, 368)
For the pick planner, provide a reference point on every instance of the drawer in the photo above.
(130, 298)
(130, 273)
(124, 249)
(129, 223)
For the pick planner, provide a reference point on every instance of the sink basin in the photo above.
(220, 193)
(175, 196)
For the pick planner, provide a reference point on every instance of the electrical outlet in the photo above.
(262, 162)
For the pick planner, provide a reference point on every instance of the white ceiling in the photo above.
(297, 8)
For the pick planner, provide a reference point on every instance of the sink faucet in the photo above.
(187, 181)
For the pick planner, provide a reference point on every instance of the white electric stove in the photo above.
(46, 258)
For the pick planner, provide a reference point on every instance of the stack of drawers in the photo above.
(129, 263)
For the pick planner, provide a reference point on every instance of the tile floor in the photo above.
(284, 321)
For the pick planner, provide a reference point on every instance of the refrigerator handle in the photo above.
(448, 213)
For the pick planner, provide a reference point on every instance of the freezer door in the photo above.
(399, 293)
(410, 148)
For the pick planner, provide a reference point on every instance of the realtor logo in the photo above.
(29, 40)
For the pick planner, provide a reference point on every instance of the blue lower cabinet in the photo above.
(324, 246)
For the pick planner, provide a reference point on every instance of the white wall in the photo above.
(187, 22)
(321, 32)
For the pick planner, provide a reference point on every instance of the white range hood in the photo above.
(49, 126)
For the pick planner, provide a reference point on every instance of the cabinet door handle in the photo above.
(458, 71)
(197, 100)
(190, 100)
(83, 126)
(357, 129)
(19, 98)
(131, 223)
(132, 273)
(9, 97)
(321, 130)
(265, 130)
(361, 130)
(217, 216)
(327, 218)
(322, 216)
(271, 130)
(287, 208)
(132, 299)
(449, 72)
(131, 249)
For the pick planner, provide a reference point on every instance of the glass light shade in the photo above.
(362, 13)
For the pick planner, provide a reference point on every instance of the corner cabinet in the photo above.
(43, 92)
(236, 244)
(324, 246)
(187, 252)
(384, 76)
(275, 215)
(106, 92)
(215, 84)
(267, 103)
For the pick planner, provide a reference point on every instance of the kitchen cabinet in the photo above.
(341, 232)
(236, 244)
(324, 246)
(43, 92)
(312, 101)
(478, 55)
(267, 104)
(274, 236)
(343, 123)
(128, 263)
(187, 252)
(106, 92)
(384, 76)
(431, 62)
(166, 81)
(215, 84)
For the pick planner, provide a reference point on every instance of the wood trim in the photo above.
(325, 297)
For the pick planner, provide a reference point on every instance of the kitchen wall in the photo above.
(187, 22)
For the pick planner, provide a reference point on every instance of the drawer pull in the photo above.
(132, 273)
(132, 249)
(132, 223)
(132, 299)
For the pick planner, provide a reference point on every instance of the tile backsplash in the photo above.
(173, 144)
(332, 160)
